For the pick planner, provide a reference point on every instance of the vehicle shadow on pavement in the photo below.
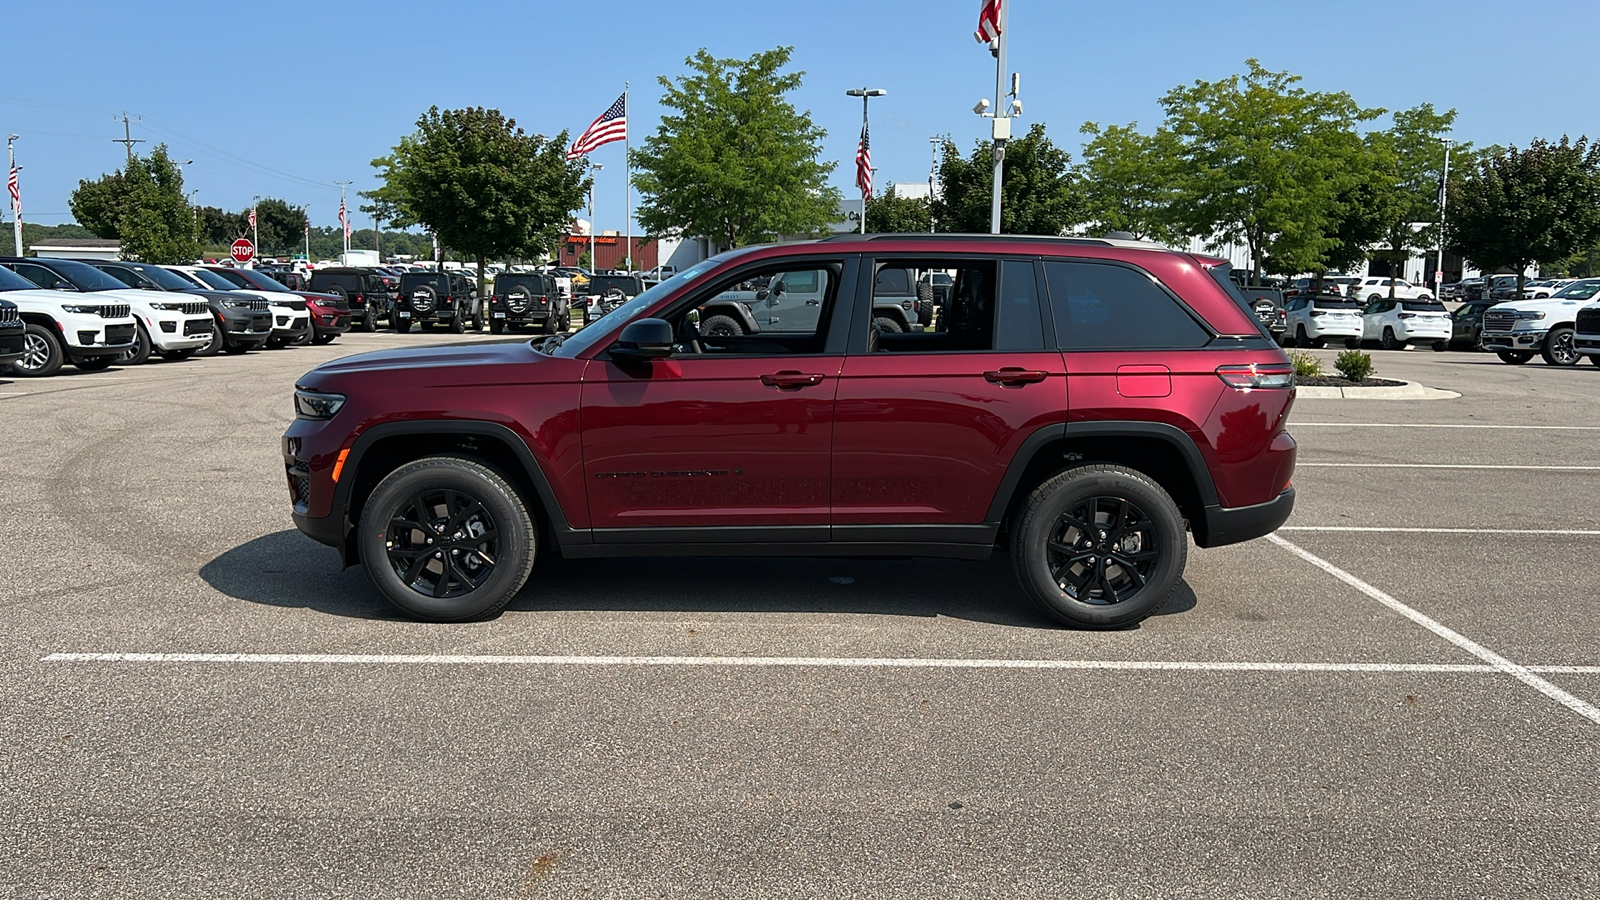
(287, 569)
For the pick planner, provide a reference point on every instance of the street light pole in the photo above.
(866, 94)
(1444, 188)
(933, 175)
(1002, 114)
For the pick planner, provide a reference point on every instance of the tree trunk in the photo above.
(481, 288)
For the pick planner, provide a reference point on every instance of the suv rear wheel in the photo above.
(447, 539)
(1099, 546)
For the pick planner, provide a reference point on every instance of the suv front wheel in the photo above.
(1099, 546)
(447, 539)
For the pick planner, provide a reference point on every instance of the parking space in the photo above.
(801, 727)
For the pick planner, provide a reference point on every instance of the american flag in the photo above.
(864, 164)
(344, 218)
(610, 127)
(16, 194)
(252, 217)
(988, 21)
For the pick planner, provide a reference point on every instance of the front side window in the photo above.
(1098, 306)
(779, 309)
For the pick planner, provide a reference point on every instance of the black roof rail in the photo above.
(851, 237)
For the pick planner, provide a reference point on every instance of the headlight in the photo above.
(1529, 316)
(236, 304)
(81, 308)
(312, 405)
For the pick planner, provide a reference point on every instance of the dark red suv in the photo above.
(1080, 404)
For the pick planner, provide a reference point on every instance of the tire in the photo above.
(42, 353)
(1318, 343)
(304, 339)
(1389, 342)
(369, 322)
(549, 326)
(325, 338)
(1441, 346)
(401, 326)
(417, 490)
(1558, 349)
(277, 343)
(235, 349)
(1595, 358)
(566, 320)
(1513, 357)
(94, 363)
(1300, 339)
(458, 323)
(217, 341)
(887, 325)
(139, 352)
(1352, 343)
(1054, 543)
(497, 326)
(178, 355)
(721, 326)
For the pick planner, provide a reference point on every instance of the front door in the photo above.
(731, 432)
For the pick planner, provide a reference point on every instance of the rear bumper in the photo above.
(1233, 525)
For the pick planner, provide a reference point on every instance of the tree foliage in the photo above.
(890, 213)
(1519, 207)
(733, 159)
(143, 206)
(482, 184)
(1128, 181)
(1262, 162)
(1038, 188)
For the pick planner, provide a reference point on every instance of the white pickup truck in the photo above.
(1517, 329)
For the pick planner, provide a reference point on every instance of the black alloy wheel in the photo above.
(1099, 546)
(447, 539)
(1560, 348)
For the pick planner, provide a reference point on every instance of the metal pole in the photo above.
(16, 205)
(1444, 188)
(1001, 131)
(255, 229)
(627, 176)
(933, 175)
(593, 168)
(864, 98)
(344, 227)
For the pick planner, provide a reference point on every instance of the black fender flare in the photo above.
(1199, 472)
(734, 309)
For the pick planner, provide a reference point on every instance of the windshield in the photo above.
(210, 279)
(1422, 305)
(257, 283)
(1337, 304)
(11, 281)
(1579, 290)
(86, 277)
(591, 335)
(164, 279)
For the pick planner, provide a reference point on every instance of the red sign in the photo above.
(243, 251)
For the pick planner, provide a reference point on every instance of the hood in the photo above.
(468, 356)
(1547, 305)
(130, 296)
(206, 294)
(32, 299)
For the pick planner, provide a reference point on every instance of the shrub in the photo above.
(1306, 366)
(1354, 365)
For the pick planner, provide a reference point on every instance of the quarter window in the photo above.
(1109, 307)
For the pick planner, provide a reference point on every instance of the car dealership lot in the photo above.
(1421, 721)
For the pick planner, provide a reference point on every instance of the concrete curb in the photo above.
(1408, 391)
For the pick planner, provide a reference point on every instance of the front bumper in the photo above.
(179, 332)
(90, 335)
(1587, 344)
(11, 344)
(290, 326)
(1525, 341)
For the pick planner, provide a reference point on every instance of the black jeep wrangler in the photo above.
(449, 298)
(532, 299)
(369, 299)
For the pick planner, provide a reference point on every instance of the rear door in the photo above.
(927, 423)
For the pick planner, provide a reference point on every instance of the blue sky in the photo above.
(284, 99)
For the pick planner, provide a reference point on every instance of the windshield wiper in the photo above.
(549, 345)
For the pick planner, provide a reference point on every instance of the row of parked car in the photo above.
(1562, 327)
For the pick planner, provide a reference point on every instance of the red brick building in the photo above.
(610, 250)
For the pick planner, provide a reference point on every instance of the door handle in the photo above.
(813, 302)
(790, 380)
(1013, 376)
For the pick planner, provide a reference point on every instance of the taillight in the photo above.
(361, 298)
(1252, 377)
(1408, 315)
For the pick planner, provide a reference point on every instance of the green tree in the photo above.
(487, 188)
(890, 213)
(1128, 181)
(280, 225)
(1412, 157)
(143, 206)
(1039, 193)
(1364, 206)
(1520, 207)
(218, 227)
(734, 161)
(1263, 163)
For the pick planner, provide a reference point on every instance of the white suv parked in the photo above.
(1312, 321)
(1373, 288)
(291, 322)
(62, 328)
(1517, 329)
(171, 326)
(1396, 324)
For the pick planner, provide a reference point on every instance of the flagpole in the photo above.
(1002, 132)
(255, 229)
(16, 201)
(627, 174)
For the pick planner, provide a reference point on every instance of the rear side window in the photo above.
(1017, 323)
(1110, 307)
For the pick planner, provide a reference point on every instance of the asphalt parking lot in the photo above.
(1395, 697)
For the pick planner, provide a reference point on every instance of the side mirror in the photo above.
(644, 340)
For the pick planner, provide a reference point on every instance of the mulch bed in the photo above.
(1336, 381)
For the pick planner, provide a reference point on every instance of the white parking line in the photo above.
(1295, 425)
(1378, 529)
(1317, 465)
(1522, 673)
(826, 662)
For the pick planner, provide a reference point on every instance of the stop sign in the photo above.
(243, 251)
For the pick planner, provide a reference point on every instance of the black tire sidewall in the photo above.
(483, 484)
(52, 365)
(712, 322)
(1054, 498)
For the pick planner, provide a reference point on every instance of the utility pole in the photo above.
(1002, 114)
(1444, 187)
(15, 187)
(127, 140)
